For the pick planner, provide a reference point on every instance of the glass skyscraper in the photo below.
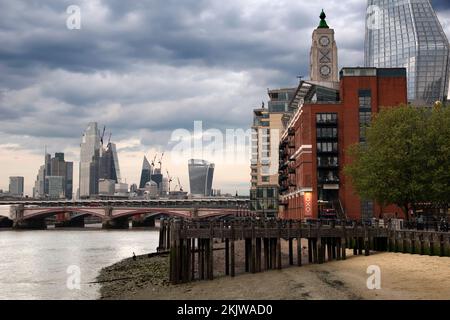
(89, 161)
(407, 33)
(201, 175)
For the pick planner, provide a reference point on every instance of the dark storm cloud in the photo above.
(145, 68)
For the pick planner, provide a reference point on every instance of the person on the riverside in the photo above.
(134, 256)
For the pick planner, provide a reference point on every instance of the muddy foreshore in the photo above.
(403, 276)
(123, 279)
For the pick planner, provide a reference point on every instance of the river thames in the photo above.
(35, 264)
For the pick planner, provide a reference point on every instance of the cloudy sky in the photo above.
(147, 68)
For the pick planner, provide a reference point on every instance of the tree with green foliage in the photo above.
(406, 158)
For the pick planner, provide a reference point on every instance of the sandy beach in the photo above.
(403, 276)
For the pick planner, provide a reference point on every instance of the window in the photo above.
(367, 209)
(327, 161)
(327, 133)
(365, 113)
(327, 147)
(265, 179)
(326, 117)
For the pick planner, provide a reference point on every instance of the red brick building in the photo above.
(329, 119)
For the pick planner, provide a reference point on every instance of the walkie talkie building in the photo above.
(407, 33)
(201, 175)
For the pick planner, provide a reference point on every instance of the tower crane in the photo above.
(169, 178)
(160, 161)
(179, 185)
(103, 134)
(154, 159)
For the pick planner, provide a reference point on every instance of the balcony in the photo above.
(329, 180)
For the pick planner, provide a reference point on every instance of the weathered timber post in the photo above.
(227, 256)
(431, 241)
(395, 241)
(232, 266)
(291, 252)
(422, 244)
(413, 242)
(299, 251)
(355, 246)
(441, 245)
(201, 258)
(319, 249)
(310, 250)
(161, 236)
(403, 241)
(344, 243)
(279, 264)
(338, 248)
(360, 245)
(273, 253)
(366, 241)
(266, 254)
(258, 254)
(247, 254)
(315, 250)
(211, 253)
(193, 259)
(253, 250)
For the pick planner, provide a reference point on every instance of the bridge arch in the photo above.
(45, 213)
(151, 212)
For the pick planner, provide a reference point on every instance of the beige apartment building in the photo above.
(266, 132)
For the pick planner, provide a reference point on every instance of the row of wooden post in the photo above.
(192, 256)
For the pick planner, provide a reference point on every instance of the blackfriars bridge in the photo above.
(117, 213)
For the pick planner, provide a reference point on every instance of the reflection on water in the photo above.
(33, 264)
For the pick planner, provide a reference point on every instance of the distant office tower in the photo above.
(147, 171)
(16, 186)
(408, 34)
(109, 164)
(55, 186)
(39, 185)
(201, 175)
(157, 177)
(54, 167)
(89, 161)
(106, 187)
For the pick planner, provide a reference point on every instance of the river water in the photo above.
(40, 264)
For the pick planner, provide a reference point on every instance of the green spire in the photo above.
(323, 24)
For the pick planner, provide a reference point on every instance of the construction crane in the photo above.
(179, 185)
(103, 134)
(169, 178)
(154, 159)
(160, 161)
(109, 139)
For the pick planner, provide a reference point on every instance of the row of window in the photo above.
(327, 147)
(328, 177)
(327, 133)
(326, 117)
(327, 161)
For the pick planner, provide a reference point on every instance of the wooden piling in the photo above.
(310, 250)
(258, 254)
(291, 252)
(266, 253)
(299, 251)
(227, 257)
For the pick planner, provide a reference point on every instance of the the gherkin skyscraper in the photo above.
(407, 33)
